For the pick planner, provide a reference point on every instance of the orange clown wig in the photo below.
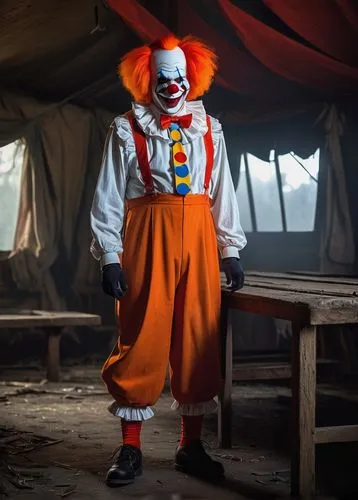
(134, 68)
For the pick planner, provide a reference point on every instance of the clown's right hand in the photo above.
(113, 281)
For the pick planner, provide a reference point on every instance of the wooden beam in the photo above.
(280, 193)
(259, 301)
(336, 434)
(300, 307)
(268, 369)
(42, 319)
(303, 412)
(225, 403)
(250, 193)
(261, 371)
(53, 354)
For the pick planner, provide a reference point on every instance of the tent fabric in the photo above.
(303, 133)
(138, 18)
(287, 57)
(350, 10)
(64, 146)
(322, 23)
(337, 240)
(251, 78)
(273, 66)
(81, 61)
(238, 70)
(35, 239)
(349, 154)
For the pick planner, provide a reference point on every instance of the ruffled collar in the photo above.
(148, 118)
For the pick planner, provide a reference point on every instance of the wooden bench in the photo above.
(53, 324)
(308, 302)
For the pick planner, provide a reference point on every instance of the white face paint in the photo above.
(170, 86)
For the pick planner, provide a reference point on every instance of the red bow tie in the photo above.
(183, 121)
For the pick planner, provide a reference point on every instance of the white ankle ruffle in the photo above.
(194, 409)
(131, 413)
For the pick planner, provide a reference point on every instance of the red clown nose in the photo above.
(172, 89)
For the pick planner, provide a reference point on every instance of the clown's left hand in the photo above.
(234, 273)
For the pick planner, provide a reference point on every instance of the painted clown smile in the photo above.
(171, 102)
(170, 93)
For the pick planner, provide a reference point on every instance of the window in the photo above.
(11, 161)
(279, 195)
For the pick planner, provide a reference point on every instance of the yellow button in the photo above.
(177, 147)
(175, 135)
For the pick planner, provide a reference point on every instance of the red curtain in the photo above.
(322, 23)
(289, 58)
(139, 19)
(238, 70)
(273, 69)
(350, 10)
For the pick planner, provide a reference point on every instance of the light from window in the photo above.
(278, 195)
(11, 161)
(299, 186)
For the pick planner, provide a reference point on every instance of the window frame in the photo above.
(251, 200)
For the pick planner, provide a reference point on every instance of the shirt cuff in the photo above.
(109, 258)
(229, 252)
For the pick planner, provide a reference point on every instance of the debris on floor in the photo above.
(57, 439)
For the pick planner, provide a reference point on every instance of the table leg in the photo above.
(53, 354)
(225, 406)
(303, 465)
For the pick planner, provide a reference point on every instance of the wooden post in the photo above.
(53, 353)
(303, 484)
(225, 406)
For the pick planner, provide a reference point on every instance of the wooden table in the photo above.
(53, 324)
(307, 301)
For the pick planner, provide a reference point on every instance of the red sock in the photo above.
(131, 432)
(190, 428)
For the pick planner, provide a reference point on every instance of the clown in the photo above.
(163, 207)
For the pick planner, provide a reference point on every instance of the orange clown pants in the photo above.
(171, 314)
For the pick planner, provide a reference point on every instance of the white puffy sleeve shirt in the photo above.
(120, 179)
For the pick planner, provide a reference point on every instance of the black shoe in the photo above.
(127, 466)
(194, 461)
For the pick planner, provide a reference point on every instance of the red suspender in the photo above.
(142, 153)
(209, 149)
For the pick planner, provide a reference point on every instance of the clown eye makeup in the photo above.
(162, 79)
(180, 79)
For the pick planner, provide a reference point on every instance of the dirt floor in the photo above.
(57, 440)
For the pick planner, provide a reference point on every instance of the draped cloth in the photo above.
(63, 148)
(289, 58)
(337, 237)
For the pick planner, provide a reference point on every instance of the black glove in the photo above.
(234, 273)
(113, 281)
